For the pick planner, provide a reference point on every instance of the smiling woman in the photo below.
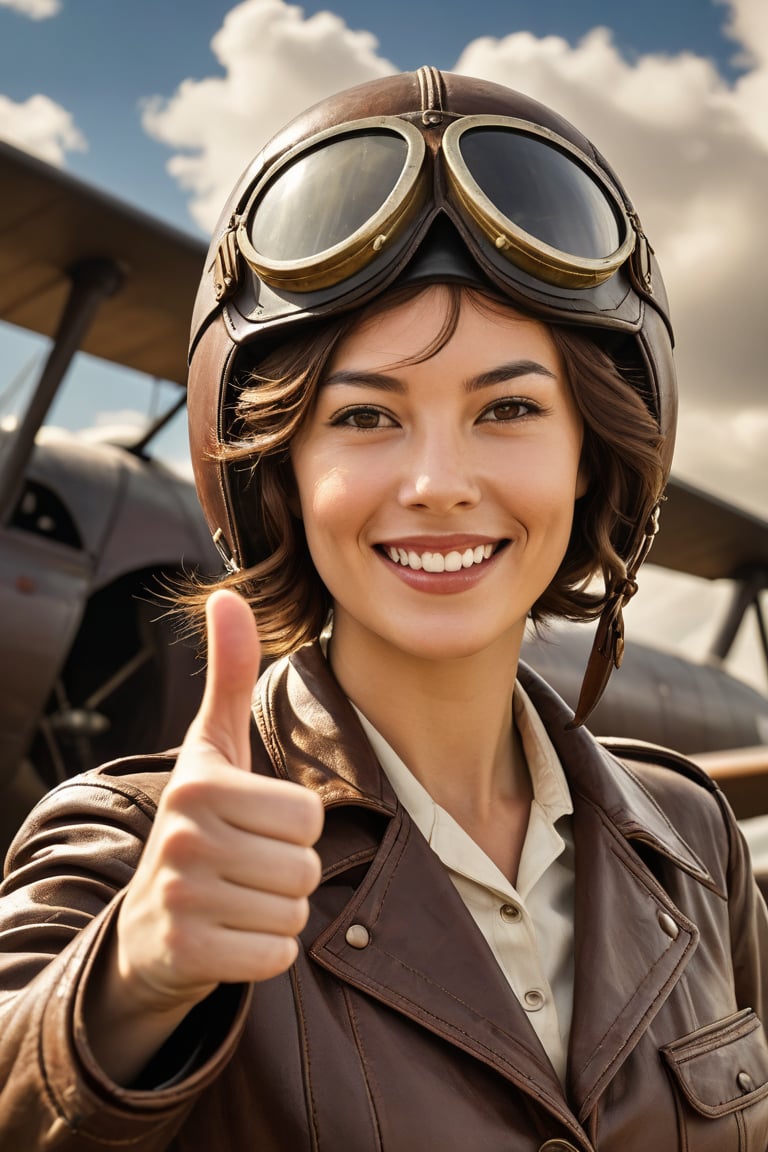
(396, 895)
(437, 457)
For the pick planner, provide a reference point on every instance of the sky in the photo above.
(163, 102)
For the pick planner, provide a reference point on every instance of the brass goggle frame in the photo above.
(413, 190)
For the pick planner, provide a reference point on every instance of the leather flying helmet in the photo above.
(425, 177)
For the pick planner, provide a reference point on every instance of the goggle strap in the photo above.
(608, 646)
(430, 88)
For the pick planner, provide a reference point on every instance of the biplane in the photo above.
(88, 667)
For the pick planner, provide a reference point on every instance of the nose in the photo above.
(440, 475)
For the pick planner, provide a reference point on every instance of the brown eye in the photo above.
(364, 419)
(504, 410)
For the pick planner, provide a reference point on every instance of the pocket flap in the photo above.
(722, 1067)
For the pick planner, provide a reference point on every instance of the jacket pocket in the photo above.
(723, 1067)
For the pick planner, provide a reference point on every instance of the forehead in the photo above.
(422, 326)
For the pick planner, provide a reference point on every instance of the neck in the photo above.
(449, 720)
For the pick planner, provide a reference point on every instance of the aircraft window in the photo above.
(41, 511)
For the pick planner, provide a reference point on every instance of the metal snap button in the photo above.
(533, 1000)
(558, 1146)
(668, 925)
(358, 936)
(510, 913)
(745, 1082)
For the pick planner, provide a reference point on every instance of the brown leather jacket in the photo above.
(404, 1036)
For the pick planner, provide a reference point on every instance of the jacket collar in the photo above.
(315, 738)
(313, 735)
(599, 778)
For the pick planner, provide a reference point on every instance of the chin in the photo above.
(449, 644)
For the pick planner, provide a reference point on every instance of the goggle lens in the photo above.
(541, 191)
(325, 196)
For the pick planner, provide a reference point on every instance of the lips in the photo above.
(453, 560)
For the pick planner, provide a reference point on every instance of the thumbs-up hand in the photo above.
(222, 887)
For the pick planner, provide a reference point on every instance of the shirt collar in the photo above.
(457, 850)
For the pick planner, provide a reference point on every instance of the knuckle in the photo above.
(186, 792)
(303, 876)
(183, 844)
(275, 956)
(312, 870)
(298, 916)
(308, 815)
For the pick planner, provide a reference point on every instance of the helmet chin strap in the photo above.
(608, 646)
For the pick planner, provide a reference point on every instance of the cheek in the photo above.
(328, 504)
(546, 485)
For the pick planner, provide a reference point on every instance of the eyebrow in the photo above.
(499, 375)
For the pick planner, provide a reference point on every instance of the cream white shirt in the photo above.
(528, 927)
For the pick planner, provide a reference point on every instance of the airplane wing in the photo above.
(50, 221)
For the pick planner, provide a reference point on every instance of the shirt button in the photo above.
(533, 1000)
(358, 936)
(510, 913)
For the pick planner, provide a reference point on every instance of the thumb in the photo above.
(233, 668)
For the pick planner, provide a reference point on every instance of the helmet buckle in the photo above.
(226, 274)
(224, 550)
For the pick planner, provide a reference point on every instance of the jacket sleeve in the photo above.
(65, 873)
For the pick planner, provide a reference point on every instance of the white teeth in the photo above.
(437, 561)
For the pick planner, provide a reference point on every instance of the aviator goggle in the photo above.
(332, 204)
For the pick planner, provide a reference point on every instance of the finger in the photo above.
(242, 957)
(258, 862)
(276, 809)
(233, 669)
(244, 909)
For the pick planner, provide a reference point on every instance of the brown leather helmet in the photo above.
(425, 176)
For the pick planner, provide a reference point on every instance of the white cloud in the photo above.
(34, 9)
(40, 126)
(276, 64)
(691, 147)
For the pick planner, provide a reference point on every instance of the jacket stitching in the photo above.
(367, 1078)
(308, 1078)
(423, 1011)
(364, 855)
(495, 1059)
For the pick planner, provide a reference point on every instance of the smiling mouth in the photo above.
(453, 561)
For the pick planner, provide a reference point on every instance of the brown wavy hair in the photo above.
(620, 454)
